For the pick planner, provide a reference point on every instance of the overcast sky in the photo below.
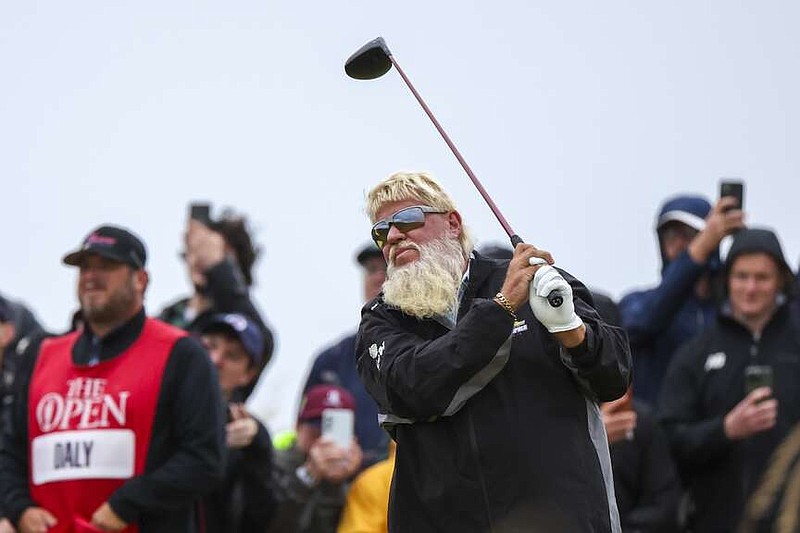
(579, 117)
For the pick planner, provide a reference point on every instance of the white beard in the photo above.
(428, 286)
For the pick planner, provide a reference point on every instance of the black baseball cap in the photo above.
(244, 329)
(111, 242)
(368, 252)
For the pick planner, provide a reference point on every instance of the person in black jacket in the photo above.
(732, 394)
(219, 257)
(245, 500)
(118, 423)
(489, 391)
(20, 333)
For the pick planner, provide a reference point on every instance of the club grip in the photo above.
(554, 298)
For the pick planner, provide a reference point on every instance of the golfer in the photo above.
(490, 392)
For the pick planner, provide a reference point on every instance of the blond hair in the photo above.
(418, 186)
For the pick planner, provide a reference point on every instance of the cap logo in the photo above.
(334, 398)
(94, 238)
(238, 322)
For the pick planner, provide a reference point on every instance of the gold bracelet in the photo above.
(501, 299)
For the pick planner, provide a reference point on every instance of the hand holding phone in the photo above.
(733, 188)
(757, 376)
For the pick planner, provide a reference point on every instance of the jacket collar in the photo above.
(480, 269)
(90, 348)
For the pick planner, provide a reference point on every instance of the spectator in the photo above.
(336, 365)
(732, 393)
(245, 500)
(18, 329)
(311, 477)
(219, 259)
(6, 336)
(20, 335)
(468, 379)
(660, 320)
(122, 420)
(368, 499)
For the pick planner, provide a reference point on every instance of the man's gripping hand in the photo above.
(555, 319)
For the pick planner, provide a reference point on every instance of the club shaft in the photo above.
(475, 181)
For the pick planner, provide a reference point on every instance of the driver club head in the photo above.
(370, 61)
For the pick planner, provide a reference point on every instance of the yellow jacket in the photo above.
(368, 500)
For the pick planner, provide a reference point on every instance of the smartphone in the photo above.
(756, 376)
(201, 212)
(733, 188)
(337, 425)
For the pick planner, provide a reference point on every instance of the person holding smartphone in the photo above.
(219, 255)
(733, 392)
(660, 319)
(312, 473)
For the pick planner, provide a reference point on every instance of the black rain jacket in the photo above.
(497, 426)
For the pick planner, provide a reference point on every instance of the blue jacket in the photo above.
(661, 319)
(337, 366)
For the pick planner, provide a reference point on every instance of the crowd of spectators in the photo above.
(706, 439)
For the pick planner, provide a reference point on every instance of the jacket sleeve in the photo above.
(646, 314)
(695, 440)
(190, 403)
(230, 295)
(413, 377)
(14, 487)
(602, 364)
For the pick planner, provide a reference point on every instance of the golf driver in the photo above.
(373, 60)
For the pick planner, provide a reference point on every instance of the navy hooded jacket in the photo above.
(661, 319)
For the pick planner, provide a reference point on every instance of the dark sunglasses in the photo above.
(404, 220)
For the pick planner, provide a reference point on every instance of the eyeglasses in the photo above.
(404, 220)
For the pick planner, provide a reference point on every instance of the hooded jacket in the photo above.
(661, 319)
(706, 381)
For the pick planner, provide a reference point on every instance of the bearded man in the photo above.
(490, 393)
(117, 426)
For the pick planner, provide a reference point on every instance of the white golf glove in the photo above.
(555, 319)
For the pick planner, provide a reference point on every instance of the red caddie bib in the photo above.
(89, 428)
